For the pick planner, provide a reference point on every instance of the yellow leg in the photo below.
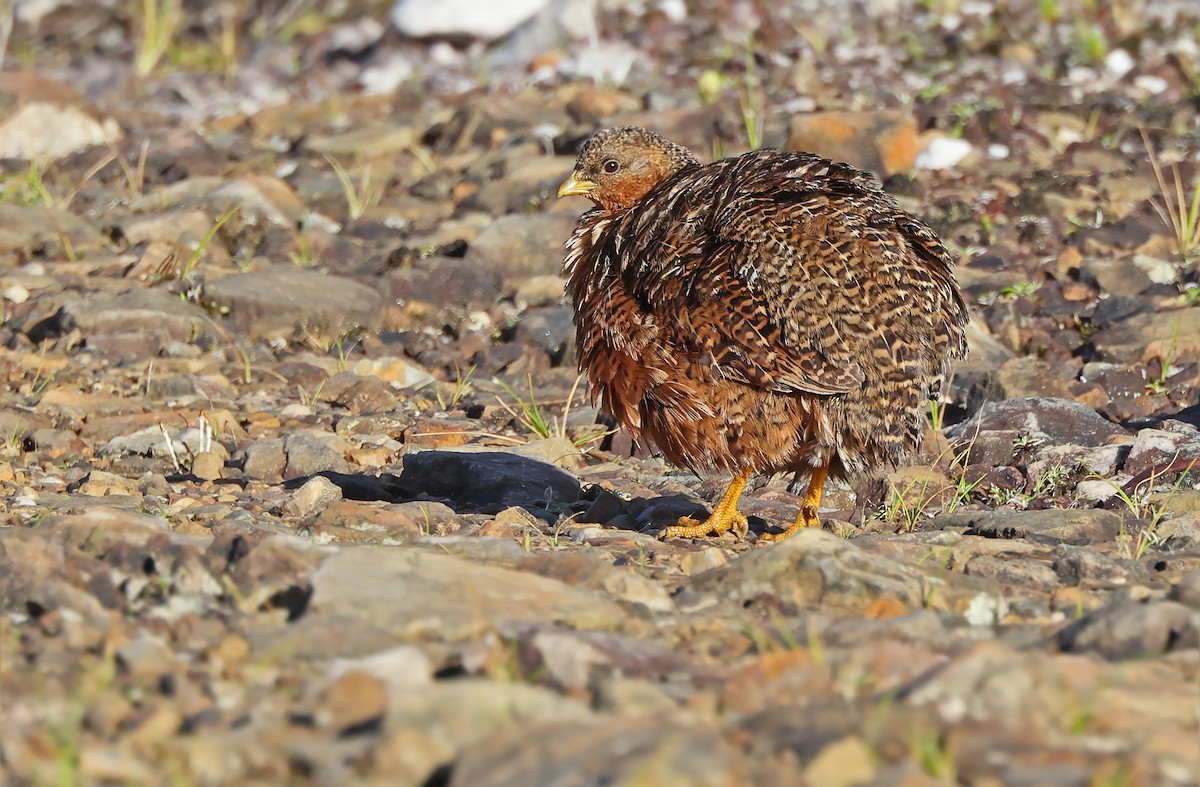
(808, 509)
(724, 517)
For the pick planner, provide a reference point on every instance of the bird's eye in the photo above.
(611, 166)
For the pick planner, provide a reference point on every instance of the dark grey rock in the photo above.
(1115, 308)
(1187, 590)
(1131, 629)
(1016, 571)
(552, 329)
(1068, 526)
(606, 507)
(444, 282)
(28, 227)
(1115, 275)
(1078, 565)
(264, 460)
(1061, 421)
(272, 303)
(1126, 340)
(308, 455)
(1155, 449)
(489, 480)
(801, 729)
(450, 718)
(134, 324)
(574, 660)
(524, 244)
(992, 447)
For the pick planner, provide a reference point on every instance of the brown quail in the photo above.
(770, 312)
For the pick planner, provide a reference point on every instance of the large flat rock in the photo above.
(277, 302)
(814, 567)
(421, 596)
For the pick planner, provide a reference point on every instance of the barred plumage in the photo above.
(770, 312)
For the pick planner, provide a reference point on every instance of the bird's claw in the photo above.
(715, 525)
(803, 522)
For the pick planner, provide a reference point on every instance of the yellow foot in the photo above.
(693, 528)
(808, 509)
(802, 522)
(723, 518)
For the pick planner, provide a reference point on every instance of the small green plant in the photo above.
(935, 89)
(899, 507)
(527, 413)
(937, 412)
(1158, 383)
(752, 98)
(462, 387)
(934, 757)
(198, 252)
(244, 357)
(963, 489)
(997, 496)
(16, 436)
(160, 22)
(310, 398)
(1027, 440)
(1140, 503)
(301, 254)
(361, 197)
(38, 387)
(709, 85)
(944, 560)
(1091, 45)
(1019, 290)
(750, 92)
(1054, 481)
(1178, 211)
(28, 188)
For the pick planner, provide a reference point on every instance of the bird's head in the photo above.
(619, 166)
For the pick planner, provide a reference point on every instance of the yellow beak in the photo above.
(573, 186)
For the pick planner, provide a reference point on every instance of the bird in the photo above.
(765, 313)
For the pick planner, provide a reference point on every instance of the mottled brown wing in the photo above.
(728, 322)
(843, 276)
(735, 260)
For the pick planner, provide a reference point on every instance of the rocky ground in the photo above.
(300, 484)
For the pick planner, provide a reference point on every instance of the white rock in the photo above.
(673, 10)
(1095, 489)
(44, 132)
(482, 19)
(997, 151)
(1151, 84)
(943, 153)
(400, 668)
(1159, 271)
(16, 294)
(397, 371)
(316, 493)
(607, 62)
(389, 73)
(1014, 76)
(985, 610)
(1118, 63)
